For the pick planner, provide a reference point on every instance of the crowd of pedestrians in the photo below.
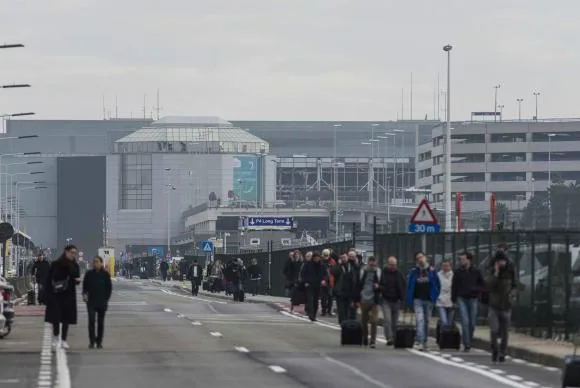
(361, 289)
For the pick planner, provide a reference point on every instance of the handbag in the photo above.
(59, 286)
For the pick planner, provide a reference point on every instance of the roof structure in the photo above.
(198, 139)
(191, 121)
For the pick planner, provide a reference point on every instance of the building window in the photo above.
(508, 176)
(467, 158)
(556, 156)
(468, 177)
(508, 137)
(473, 196)
(468, 139)
(510, 195)
(136, 181)
(508, 157)
(425, 173)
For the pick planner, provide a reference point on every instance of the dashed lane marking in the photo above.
(242, 349)
(45, 371)
(357, 372)
(277, 369)
(167, 310)
(197, 298)
(196, 323)
(515, 377)
(531, 384)
(215, 334)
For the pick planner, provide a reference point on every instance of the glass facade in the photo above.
(136, 181)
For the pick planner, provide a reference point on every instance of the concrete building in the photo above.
(514, 160)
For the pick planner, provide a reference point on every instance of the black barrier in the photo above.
(548, 264)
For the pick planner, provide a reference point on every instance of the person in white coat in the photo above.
(444, 303)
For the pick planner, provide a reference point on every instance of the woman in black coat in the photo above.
(61, 299)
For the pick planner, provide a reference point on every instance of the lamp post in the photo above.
(448, 228)
(11, 177)
(519, 100)
(500, 106)
(18, 189)
(335, 179)
(550, 136)
(15, 154)
(496, 87)
(170, 188)
(536, 95)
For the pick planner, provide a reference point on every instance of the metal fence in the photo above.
(548, 263)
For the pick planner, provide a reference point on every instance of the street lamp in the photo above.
(501, 106)
(170, 188)
(448, 228)
(520, 100)
(496, 87)
(16, 249)
(335, 178)
(536, 95)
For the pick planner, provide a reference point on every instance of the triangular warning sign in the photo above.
(424, 214)
(207, 247)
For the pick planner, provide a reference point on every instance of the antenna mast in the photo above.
(116, 108)
(144, 106)
(158, 106)
(104, 109)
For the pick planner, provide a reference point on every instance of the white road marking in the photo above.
(167, 310)
(533, 364)
(481, 372)
(519, 361)
(45, 371)
(215, 333)
(62, 371)
(277, 369)
(497, 371)
(168, 292)
(9, 381)
(552, 369)
(514, 377)
(357, 372)
(242, 349)
(456, 359)
(328, 325)
(196, 323)
(531, 384)
(180, 315)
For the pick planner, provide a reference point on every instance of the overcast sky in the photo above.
(288, 60)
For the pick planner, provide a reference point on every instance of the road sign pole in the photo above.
(423, 243)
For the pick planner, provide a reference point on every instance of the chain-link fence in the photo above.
(548, 264)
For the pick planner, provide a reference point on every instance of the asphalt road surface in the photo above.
(161, 337)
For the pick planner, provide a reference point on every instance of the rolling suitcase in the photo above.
(405, 335)
(351, 333)
(448, 337)
(571, 369)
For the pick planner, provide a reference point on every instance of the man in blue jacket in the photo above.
(422, 293)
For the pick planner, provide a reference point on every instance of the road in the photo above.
(160, 336)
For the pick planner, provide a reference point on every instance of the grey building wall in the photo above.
(81, 202)
(56, 138)
(194, 178)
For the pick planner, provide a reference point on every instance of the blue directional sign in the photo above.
(275, 223)
(423, 228)
(206, 246)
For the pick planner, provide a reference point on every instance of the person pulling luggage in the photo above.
(392, 286)
(369, 297)
(422, 293)
(444, 303)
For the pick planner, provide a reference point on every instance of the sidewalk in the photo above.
(532, 349)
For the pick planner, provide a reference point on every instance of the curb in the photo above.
(513, 351)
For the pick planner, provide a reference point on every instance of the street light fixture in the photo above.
(14, 45)
(14, 86)
(448, 228)
(519, 100)
(496, 87)
(536, 95)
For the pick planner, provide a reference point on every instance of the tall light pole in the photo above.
(520, 100)
(448, 227)
(496, 87)
(170, 188)
(17, 249)
(335, 179)
(501, 106)
(550, 136)
(536, 95)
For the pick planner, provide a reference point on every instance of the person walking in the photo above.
(97, 289)
(369, 298)
(466, 288)
(422, 293)
(392, 287)
(164, 268)
(61, 300)
(326, 292)
(195, 274)
(314, 276)
(254, 273)
(502, 283)
(444, 302)
(40, 270)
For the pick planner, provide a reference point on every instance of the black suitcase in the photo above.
(205, 286)
(448, 337)
(405, 336)
(241, 296)
(351, 333)
(571, 369)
